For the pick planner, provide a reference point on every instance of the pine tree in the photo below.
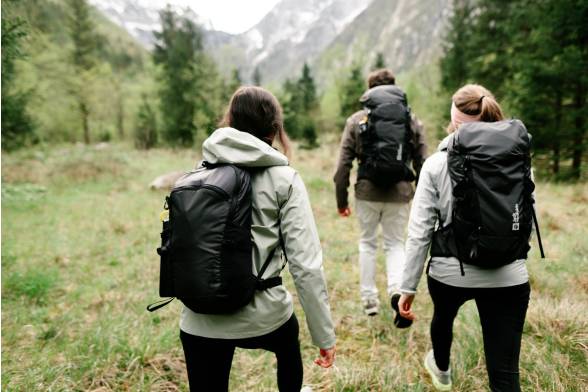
(380, 62)
(235, 82)
(351, 91)
(83, 57)
(17, 125)
(307, 89)
(533, 55)
(256, 77)
(454, 64)
(178, 50)
(146, 126)
(301, 108)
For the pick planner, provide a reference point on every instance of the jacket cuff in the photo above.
(326, 343)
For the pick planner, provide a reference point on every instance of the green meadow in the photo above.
(79, 231)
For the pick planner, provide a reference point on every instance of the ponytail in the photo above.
(490, 109)
(475, 103)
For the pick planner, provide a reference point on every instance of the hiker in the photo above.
(478, 233)
(385, 138)
(280, 208)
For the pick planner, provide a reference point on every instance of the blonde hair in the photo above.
(476, 100)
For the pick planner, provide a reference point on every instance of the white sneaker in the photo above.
(370, 307)
(306, 389)
(441, 379)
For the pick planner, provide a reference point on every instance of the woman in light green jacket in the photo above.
(280, 203)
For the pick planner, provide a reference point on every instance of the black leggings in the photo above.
(502, 315)
(209, 360)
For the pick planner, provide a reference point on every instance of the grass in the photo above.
(79, 233)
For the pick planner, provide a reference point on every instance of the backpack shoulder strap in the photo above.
(263, 284)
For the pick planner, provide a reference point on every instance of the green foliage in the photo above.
(256, 77)
(351, 90)
(533, 56)
(235, 82)
(32, 284)
(17, 125)
(83, 58)
(301, 108)
(380, 61)
(178, 50)
(146, 126)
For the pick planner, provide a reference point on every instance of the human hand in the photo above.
(327, 357)
(405, 305)
(345, 212)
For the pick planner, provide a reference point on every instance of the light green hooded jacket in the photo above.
(278, 193)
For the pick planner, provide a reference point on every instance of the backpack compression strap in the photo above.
(538, 233)
(263, 284)
(159, 304)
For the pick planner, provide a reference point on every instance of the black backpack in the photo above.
(206, 246)
(493, 206)
(386, 137)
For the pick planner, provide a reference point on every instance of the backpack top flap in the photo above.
(383, 94)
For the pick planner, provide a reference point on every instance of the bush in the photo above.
(146, 128)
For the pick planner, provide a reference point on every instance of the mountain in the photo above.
(141, 17)
(327, 34)
(295, 31)
(407, 33)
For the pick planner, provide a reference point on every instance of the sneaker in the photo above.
(370, 307)
(441, 379)
(399, 321)
(306, 389)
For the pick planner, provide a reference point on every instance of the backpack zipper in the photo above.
(213, 188)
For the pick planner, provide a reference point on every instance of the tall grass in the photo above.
(79, 233)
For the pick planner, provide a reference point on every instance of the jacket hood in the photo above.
(444, 143)
(228, 145)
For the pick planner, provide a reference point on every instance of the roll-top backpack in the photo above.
(386, 137)
(493, 205)
(206, 245)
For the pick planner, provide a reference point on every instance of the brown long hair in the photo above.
(257, 111)
(474, 99)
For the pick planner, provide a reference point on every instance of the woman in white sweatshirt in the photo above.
(501, 294)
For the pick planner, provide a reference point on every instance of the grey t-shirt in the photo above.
(434, 193)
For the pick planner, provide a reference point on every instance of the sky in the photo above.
(232, 16)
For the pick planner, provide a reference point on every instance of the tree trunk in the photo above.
(86, 125)
(579, 132)
(557, 133)
(120, 118)
(120, 112)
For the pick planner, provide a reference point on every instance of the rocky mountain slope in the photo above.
(328, 34)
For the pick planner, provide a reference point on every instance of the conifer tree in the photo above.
(83, 57)
(380, 62)
(301, 108)
(533, 56)
(351, 91)
(17, 125)
(235, 81)
(178, 50)
(256, 77)
(146, 126)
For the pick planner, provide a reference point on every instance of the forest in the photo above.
(69, 75)
(90, 117)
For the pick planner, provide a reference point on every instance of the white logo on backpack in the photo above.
(515, 218)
